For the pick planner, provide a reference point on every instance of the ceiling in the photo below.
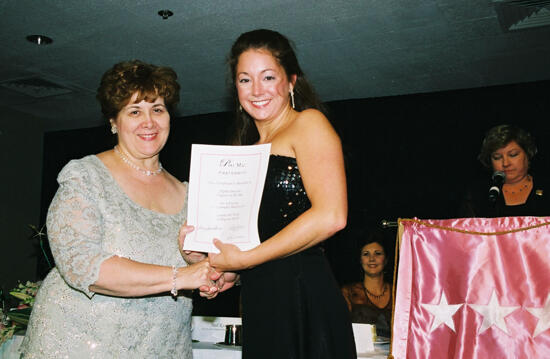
(349, 49)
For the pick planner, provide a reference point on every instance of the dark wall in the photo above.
(415, 155)
(20, 178)
(406, 156)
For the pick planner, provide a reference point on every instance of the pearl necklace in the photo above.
(134, 166)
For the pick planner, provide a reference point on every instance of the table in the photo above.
(201, 350)
(207, 350)
(381, 351)
(9, 349)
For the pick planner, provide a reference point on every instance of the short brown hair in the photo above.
(126, 78)
(499, 136)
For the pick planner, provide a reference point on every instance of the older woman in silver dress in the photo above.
(117, 288)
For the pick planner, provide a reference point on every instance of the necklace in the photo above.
(515, 188)
(134, 166)
(377, 297)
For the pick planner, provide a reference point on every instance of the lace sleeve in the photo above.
(75, 228)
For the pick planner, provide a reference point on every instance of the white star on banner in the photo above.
(544, 317)
(442, 313)
(493, 314)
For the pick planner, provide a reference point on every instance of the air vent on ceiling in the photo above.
(522, 14)
(36, 87)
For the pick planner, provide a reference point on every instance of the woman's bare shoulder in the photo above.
(312, 132)
(310, 115)
(312, 122)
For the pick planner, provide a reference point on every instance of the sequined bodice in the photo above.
(284, 197)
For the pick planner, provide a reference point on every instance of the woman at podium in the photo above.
(507, 152)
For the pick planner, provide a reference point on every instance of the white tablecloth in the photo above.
(201, 350)
(216, 351)
(381, 351)
(8, 350)
(205, 350)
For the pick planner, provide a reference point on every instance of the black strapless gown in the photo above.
(292, 307)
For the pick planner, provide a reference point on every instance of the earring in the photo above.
(113, 129)
(292, 97)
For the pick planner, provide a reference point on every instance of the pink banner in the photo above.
(473, 288)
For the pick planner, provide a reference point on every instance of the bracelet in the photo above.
(174, 290)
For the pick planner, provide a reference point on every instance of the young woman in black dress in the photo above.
(292, 306)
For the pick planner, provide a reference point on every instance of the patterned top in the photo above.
(363, 310)
(89, 220)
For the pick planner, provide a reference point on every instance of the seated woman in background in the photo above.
(510, 150)
(370, 301)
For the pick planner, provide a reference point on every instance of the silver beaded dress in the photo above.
(89, 220)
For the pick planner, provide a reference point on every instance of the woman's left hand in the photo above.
(230, 258)
(227, 281)
(209, 292)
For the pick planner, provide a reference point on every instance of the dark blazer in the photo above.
(476, 202)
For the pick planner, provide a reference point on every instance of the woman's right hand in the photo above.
(198, 275)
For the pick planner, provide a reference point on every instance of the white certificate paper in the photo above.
(225, 189)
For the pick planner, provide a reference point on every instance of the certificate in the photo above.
(225, 189)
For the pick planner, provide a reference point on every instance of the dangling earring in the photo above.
(113, 129)
(240, 108)
(292, 97)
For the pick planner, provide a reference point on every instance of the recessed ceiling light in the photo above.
(165, 14)
(39, 39)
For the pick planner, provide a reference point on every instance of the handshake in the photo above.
(201, 273)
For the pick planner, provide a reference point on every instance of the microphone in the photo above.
(497, 180)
